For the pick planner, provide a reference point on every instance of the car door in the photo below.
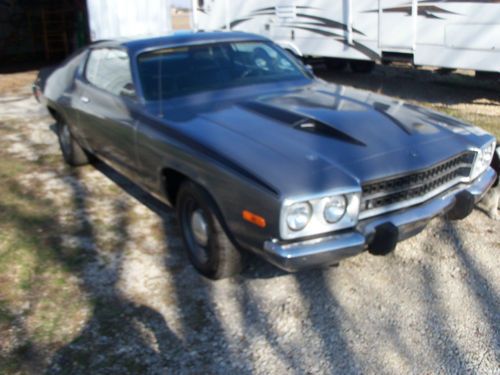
(105, 95)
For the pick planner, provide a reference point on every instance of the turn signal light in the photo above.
(254, 219)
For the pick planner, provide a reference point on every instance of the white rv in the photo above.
(445, 34)
(128, 18)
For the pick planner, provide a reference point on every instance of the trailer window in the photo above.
(171, 72)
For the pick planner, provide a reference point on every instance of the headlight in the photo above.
(298, 215)
(488, 152)
(321, 213)
(335, 208)
(483, 159)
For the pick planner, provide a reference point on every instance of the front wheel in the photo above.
(209, 249)
(73, 153)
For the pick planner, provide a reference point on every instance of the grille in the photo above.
(423, 184)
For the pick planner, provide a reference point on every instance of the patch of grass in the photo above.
(50, 159)
(10, 366)
(489, 123)
(35, 271)
(16, 83)
(10, 168)
(5, 316)
(10, 124)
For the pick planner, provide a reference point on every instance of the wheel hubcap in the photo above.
(199, 227)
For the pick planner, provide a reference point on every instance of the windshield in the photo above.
(166, 73)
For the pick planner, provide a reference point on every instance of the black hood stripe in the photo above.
(205, 151)
(299, 121)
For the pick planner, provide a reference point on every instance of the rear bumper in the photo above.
(378, 232)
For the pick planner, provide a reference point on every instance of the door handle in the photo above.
(84, 99)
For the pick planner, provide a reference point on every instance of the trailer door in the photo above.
(397, 25)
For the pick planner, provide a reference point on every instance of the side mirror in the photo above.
(128, 91)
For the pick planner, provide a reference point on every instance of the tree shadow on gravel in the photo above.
(327, 319)
(113, 341)
(441, 335)
(482, 290)
(206, 345)
(112, 330)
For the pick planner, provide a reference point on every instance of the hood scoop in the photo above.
(300, 122)
(320, 128)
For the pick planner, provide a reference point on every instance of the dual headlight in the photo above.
(483, 159)
(319, 215)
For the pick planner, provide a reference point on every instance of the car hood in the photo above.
(303, 137)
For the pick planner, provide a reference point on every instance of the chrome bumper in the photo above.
(328, 250)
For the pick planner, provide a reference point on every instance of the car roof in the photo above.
(177, 39)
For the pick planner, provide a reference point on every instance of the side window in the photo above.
(109, 69)
(92, 68)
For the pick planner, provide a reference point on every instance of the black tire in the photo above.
(362, 66)
(72, 152)
(335, 64)
(214, 256)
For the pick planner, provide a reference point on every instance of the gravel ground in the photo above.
(432, 306)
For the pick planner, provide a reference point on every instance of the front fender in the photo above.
(232, 188)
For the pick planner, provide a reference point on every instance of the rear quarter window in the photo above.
(109, 69)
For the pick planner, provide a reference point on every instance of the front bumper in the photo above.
(385, 230)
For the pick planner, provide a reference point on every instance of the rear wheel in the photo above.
(73, 153)
(362, 66)
(209, 249)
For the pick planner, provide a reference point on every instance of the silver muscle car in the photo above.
(257, 154)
